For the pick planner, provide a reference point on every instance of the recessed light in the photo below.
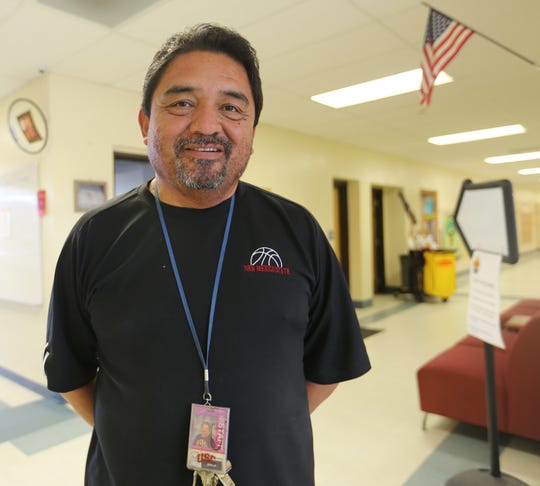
(377, 89)
(505, 159)
(536, 170)
(483, 134)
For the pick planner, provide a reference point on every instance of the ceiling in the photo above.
(307, 47)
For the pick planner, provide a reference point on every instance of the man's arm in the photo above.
(82, 400)
(318, 393)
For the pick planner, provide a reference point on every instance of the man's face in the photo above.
(205, 430)
(200, 129)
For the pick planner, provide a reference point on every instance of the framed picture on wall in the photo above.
(27, 125)
(429, 214)
(89, 194)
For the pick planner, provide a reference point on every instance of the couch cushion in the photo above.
(453, 384)
(509, 338)
(523, 307)
(523, 378)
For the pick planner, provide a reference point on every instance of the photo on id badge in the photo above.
(208, 434)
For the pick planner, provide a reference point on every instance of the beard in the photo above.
(207, 174)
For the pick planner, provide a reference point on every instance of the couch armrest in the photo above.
(523, 381)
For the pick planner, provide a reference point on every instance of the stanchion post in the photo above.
(491, 398)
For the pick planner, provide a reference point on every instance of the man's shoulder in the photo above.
(126, 214)
(275, 213)
(258, 195)
(115, 209)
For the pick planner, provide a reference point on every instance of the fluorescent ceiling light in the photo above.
(377, 89)
(504, 159)
(484, 134)
(536, 170)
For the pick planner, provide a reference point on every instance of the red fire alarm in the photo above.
(42, 202)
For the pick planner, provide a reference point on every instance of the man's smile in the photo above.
(204, 147)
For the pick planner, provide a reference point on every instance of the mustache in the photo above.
(181, 143)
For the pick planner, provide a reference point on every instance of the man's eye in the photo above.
(180, 107)
(181, 104)
(233, 112)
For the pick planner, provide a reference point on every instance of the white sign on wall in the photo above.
(21, 273)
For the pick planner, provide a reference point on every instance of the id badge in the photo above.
(208, 438)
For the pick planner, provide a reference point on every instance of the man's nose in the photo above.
(205, 120)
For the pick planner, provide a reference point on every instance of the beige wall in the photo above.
(527, 210)
(87, 122)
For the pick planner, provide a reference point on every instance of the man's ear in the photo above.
(144, 121)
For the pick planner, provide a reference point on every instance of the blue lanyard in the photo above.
(206, 396)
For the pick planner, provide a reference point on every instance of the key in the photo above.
(213, 479)
(207, 478)
(196, 475)
(225, 479)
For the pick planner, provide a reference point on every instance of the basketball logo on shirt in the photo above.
(265, 256)
(266, 260)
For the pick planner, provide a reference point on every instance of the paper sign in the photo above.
(483, 319)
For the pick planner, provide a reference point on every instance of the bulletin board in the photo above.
(21, 268)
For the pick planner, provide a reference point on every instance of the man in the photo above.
(204, 439)
(199, 288)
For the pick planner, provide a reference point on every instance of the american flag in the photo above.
(444, 38)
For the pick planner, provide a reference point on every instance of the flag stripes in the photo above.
(443, 40)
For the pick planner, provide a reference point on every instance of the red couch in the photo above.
(452, 384)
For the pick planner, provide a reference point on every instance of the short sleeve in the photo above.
(334, 350)
(70, 353)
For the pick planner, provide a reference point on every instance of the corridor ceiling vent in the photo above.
(106, 12)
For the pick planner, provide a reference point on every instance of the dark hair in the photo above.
(205, 37)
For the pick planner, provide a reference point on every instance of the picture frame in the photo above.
(430, 214)
(89, 194)
(28, 125)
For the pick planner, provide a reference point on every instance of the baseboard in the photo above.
(361, 304)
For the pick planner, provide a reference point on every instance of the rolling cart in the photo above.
(439, 276)
(428, 273)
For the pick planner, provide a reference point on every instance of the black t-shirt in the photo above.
(283, 315)
(204, 442)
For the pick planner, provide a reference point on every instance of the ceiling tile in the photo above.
(166, 19)
(390, 62)
(53, 36)
(512, 24)
(345, 49)
(380, 9)
(7, 7)
(409, 25)
(110, 59)
(302, 25)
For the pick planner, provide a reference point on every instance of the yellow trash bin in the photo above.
(440, 273)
